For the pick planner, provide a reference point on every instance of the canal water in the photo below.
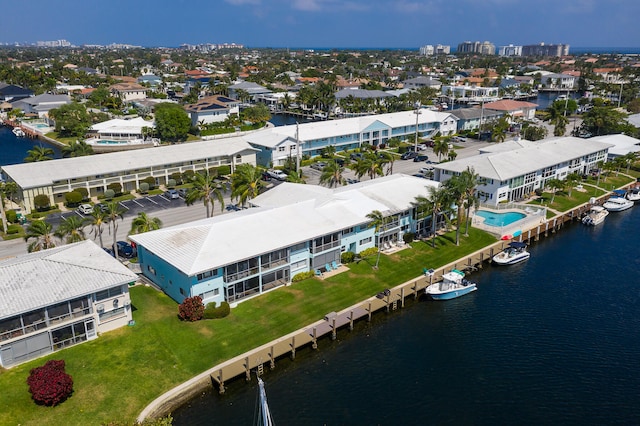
(13, 149)
(553, 340)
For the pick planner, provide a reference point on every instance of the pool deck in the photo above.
(533, 215)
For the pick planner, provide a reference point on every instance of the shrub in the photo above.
(224, 170)
(49, 384)
(36, 215)
(144, 188)
(41, 201)
(13, 229)
(177, 177)
(12, 216)
(369, 252)
(116, 187)
(191, 309)
(301, 276)
(347, 257)
(213, 312)
(188, 175)
(171, 183)
(109, 194)
(408, 237)
(83, 192)
(72, 198)
(151, 181)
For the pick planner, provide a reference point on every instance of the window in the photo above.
(281, 149)
(365, 241)
(205, 275)
(151, 269)
(111, 292)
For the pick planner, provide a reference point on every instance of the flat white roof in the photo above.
(347, 126)
(622, 144)
(504, 165)
(119, 125)
(288, 214)
(35, 280)
(44, 173)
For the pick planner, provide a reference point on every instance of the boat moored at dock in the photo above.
(633, 194)
(596, 215)
(453, 284)
(18, 132)
(617, 204)
(514, 253)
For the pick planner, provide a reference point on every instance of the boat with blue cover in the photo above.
(514, 253)
(453, 284)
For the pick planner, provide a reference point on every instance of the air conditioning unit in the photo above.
(100, 308)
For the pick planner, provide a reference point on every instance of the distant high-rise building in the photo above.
(545, 50)
(54, 43)
(439, 49)
(484, 48)
(510, 50)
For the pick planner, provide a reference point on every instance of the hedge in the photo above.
(211, 311)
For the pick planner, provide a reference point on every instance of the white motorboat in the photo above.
(633, 194)
(453, 285)
(596, 216)
(617, 204)
(515, 252)
(18, 132)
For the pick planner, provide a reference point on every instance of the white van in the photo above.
(85, 209)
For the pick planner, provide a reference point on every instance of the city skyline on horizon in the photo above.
(355, 24)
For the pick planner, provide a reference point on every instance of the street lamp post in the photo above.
(417, 113)
(298, 150)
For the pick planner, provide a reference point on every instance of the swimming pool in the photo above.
(500, 219)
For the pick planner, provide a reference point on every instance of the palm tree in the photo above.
(205, 188)
(369, 164)
(246, 183)
(39, 153)
(378, 221)
(144, 223)
(571, 180)
(97, 220)
(440, 147)
(332, 175)
(434, 203)
(470, 180)
(456, 188)
(555, 185)
(387, 159)
(40, 232)
(113, 213)
(77, 149)
(71, 229)
(295, 177)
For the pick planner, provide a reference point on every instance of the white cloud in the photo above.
(307, 5)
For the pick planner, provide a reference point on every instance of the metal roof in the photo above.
(281, 220)
(35, 280)
(44, 173)
(504, 165)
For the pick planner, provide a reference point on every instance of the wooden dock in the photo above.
(254, 361)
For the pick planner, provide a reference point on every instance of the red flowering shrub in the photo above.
(191, 309)
(49, 384)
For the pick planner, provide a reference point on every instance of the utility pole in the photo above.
(417, 113)
(298, 150)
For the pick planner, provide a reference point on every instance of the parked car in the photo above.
(422, 146)
(172, 194)
(426, 170)
(409, 155)
(459, 139)
(351, 181)
(182, 192)
(319, 165)
(233, 208)
(277, 174)
(266, 176)
(340, 161)
(355, 156)
(419, 158)
(85, 209)
(108, 250)
(102, 207)
(124, 249)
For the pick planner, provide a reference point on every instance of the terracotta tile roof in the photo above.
(509, 105)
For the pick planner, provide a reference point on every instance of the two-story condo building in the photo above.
(128, 168)
(512, 170)
(279, 143)
(60, 297)
(294, 228)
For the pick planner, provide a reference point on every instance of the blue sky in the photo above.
(323, 23)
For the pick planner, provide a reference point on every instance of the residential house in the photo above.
(128, 168)
(515, 109)
(472, 118)
(512, 170)
(212, 109)
(12, 92)
(128, 91)
(60, 297)
(254, 90)
(556, 81)
(422, 81)
(280, 143)
(622, 144)
(301, 227)
(41, 105)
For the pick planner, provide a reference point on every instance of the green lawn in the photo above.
(117, 375)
